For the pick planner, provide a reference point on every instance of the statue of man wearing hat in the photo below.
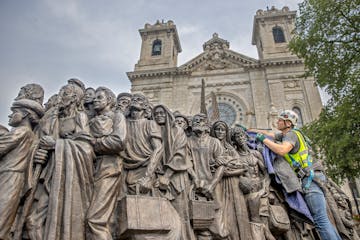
(15, 153)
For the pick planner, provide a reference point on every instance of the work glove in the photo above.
(260, 137)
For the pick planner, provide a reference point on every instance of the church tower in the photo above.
(272, 31)
(160, 46)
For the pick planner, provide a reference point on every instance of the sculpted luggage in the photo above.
(278, 220)
(144, 214)
(202, 212)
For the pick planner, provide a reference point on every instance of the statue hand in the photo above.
(222, 161)
(47, 143)
(197, 183)
(145, 184)
(208, 191)
(164, 182)
(41, 156)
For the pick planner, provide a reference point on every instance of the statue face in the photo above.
(220, 131)
(160, 115)
(52, 101)
(123, 102)
(89, 95)
(100, 101)
(66, 96)
(138, 102)
(200, 124)
(16, 117)
(240, 138)
(181, 122)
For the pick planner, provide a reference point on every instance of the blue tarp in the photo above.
(295, 200)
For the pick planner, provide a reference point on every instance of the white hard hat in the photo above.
(289, 115)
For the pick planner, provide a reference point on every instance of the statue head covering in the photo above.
(31, 91)
(178, 114)
(169, 116)
(34, 108)
(124, 94)
(77, 82)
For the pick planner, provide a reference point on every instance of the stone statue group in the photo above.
(92, 165)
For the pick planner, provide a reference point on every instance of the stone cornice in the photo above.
(277, 62)
(157, 73)
(220, 84)
(186, 69)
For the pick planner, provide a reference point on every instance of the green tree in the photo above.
(327, 37)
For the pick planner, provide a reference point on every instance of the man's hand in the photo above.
(260, 137)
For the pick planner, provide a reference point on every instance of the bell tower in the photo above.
(272, 31)
(160, 46)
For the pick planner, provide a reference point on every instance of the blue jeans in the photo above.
(316, 202)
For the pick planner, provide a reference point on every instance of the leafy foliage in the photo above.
(328, 39)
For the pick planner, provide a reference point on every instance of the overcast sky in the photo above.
(49, 41)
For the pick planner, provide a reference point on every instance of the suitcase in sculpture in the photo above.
(144, 214)
(202, 213)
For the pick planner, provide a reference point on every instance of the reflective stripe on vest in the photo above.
(301, 158)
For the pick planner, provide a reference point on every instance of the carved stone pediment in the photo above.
(218, 56)
(216, 43)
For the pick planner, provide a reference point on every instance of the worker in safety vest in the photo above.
(292, 147)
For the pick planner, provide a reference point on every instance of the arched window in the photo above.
(278, 35)
(156, 48)
(300, 122)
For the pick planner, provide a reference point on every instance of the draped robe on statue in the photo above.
(138, 149)
(15, 149)
(205, 151)
(235, 215)
(137, 154)
(67, 179)
(175, 157)
(109, 129)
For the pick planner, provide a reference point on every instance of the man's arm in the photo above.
(278, 148)
(265, 132)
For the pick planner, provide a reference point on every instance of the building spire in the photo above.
(215, 114)
(202, 99)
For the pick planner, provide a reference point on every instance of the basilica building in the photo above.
(247, 90)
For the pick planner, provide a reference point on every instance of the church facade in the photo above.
(248, 91)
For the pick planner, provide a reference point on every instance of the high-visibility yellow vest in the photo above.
(301, 158)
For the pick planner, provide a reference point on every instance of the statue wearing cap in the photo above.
(16, 147)
(31, 91)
